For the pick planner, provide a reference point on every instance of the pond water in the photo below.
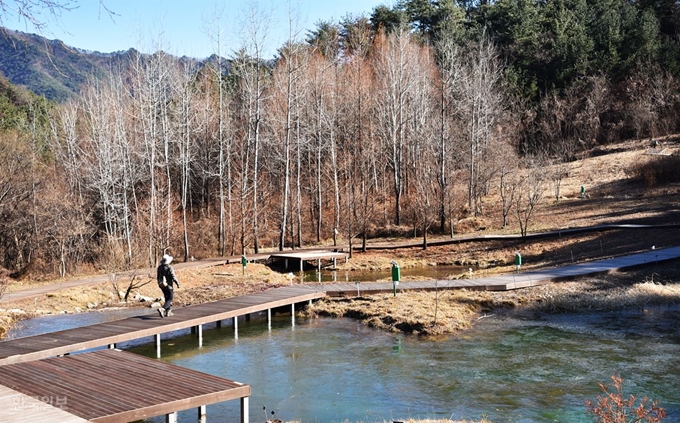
(507, 369)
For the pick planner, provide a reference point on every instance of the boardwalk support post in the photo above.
(292, 313)
(171, 418)
(201, 413)
(269, 318)
(235, 326)
(245, 418)
(158, 345)
(200, 335)
(112, 346)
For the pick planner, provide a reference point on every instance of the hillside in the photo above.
(46, 67)
(53, 69)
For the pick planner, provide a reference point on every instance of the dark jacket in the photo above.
(166, 273)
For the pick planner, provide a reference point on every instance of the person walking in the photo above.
(166, 278)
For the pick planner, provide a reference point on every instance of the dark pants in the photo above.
(168, 293)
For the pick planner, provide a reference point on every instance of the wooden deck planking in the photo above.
(111, 385)
(16, 407)
(102, 334)
(79, 378)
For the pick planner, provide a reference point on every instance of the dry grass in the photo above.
(639, 295)
(414, 312)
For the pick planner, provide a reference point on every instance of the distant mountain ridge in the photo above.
(52, 69)
(49, 68)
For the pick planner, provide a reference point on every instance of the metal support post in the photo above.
(245, 418)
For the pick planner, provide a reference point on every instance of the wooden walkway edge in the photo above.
(109, 333)
(109, 386)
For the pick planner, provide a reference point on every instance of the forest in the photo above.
(398, 123)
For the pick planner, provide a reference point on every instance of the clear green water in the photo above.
(505, 369)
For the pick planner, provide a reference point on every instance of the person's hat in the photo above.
(166, 259)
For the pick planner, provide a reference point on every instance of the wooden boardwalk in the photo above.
(109, 333)
(109, 386)
(309, 255)
(511, 281)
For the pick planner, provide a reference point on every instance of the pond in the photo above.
(507, 369)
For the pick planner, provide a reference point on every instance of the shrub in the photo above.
(613, 407)
(661, 170)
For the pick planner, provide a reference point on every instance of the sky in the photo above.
(181, 26)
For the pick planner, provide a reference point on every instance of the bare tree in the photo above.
(353, 85)
(106, 158)
(15, 191)
(320, 84)
(292, 64)
(424, 145)
(187, 120)
(448, 60)
(529, 192)
(395, 72)
(652, 99)
(479, 106)
(252, 75)
(224, 140)
(509, 181)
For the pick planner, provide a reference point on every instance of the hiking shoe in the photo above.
(169, 313)
(161, 312)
